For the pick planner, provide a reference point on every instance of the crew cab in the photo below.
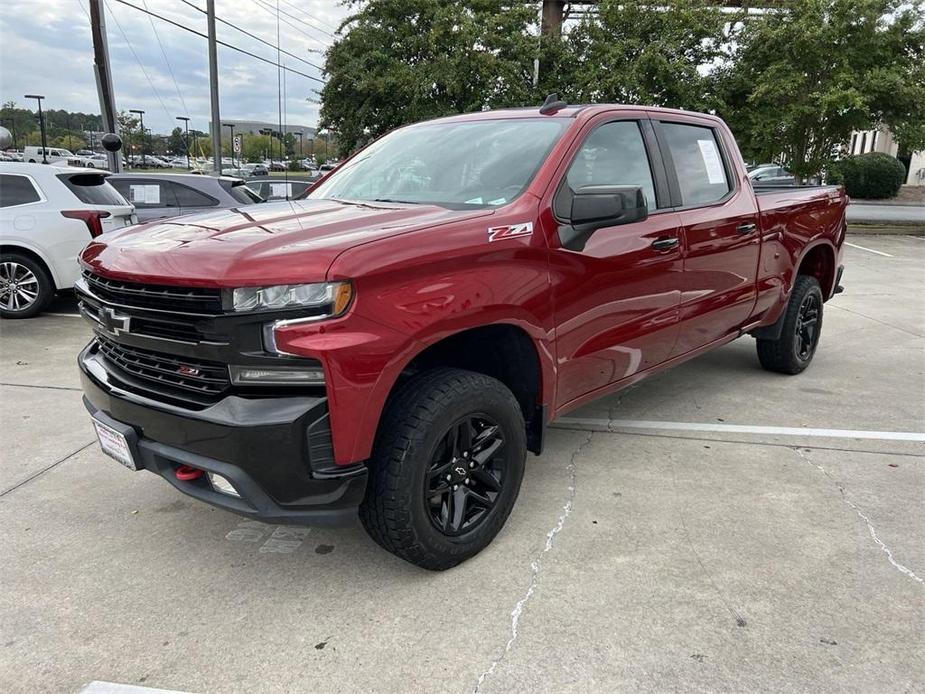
(394, 342)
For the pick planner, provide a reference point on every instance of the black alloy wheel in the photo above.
(466, 475)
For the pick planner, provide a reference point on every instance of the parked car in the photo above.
(256, 169)
(47, 215)
(96, 161)
(53, 155)
(157, 195)
(395, 342)
(771, 175)
(272, 189)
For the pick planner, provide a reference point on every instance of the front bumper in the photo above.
(276, 451)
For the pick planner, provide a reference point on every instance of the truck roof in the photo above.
(570, 111)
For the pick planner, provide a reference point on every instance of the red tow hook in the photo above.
(188, 474)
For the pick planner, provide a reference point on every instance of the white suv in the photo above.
(48, 214)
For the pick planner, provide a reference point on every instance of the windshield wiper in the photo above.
(403, 202)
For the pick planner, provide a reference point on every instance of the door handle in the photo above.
(665, 243)
(746, 228)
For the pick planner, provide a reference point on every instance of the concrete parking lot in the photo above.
(714, 528)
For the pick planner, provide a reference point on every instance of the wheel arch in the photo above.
(34, 255)
(818, 260)
(503, 350)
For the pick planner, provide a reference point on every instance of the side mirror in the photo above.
(596, 207)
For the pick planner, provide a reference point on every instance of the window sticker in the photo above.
(147, 194)
(280, 190)
(712, 162)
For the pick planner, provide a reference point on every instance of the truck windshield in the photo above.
(483, 163)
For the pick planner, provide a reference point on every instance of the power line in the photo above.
(288, 23)
(166, 60)
(137, 59)
(221, 43)
(256, 38)
(311, 17)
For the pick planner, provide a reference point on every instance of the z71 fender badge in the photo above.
(509, 231)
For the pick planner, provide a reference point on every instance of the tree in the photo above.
(801, 79)
(399, 62)
(638, 53)
(176, 141)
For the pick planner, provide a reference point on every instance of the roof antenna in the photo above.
(552, 104)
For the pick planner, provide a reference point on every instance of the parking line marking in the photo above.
(97, 687)
(64, 315)
(611, 424)
(869, 250)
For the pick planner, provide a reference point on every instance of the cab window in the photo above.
(614, 154)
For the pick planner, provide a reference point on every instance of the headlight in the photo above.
(333, 296)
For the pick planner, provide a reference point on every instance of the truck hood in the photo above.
(272, 243)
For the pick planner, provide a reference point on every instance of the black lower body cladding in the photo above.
(276, 451)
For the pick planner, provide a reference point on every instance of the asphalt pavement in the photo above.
(713, 528)
(889, 214)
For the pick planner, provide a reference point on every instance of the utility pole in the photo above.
(141, 123)
(103, 72)
(553, 14)
(186, 140)
(39, 98)
(300, 145)
(213, 89)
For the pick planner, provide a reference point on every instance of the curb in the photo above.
(891, 229)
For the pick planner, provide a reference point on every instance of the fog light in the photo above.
(277, 375)
(222, 485)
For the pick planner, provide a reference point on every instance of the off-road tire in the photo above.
(45, 286)
(783, 354)
(416, 419)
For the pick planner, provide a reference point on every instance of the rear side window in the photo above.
(187, 197)
(145, 193)
(17, 190)
(243, 194)
(93, 189)
(697, 163)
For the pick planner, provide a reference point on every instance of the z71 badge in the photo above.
(509, 231)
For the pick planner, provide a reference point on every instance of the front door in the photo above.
(617, 297)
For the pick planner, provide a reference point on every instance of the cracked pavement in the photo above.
(644, 560)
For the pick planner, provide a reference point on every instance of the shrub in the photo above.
(871, 176)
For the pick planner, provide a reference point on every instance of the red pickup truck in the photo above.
(396, 341)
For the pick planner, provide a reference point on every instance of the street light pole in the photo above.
(141, 122)
(39, 98)
(186, 140)
(231, 125)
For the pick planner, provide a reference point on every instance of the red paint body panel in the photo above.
(599, 318)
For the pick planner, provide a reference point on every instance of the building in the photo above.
(881, 140)
(253, 127)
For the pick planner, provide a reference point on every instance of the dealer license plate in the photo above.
(114, 444)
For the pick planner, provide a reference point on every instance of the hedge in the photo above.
(871, 176)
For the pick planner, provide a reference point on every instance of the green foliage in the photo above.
(871, 176)
(799, 81)
(398, 62)
(633, 53)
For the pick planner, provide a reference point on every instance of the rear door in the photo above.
(616, 298)
(720, 235)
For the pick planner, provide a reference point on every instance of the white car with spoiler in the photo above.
(48, 214)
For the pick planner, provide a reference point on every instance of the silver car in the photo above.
(156, 195)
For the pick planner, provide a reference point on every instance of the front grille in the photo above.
(166, 371)
(154, 296)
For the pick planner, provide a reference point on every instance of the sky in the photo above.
(46, 48)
